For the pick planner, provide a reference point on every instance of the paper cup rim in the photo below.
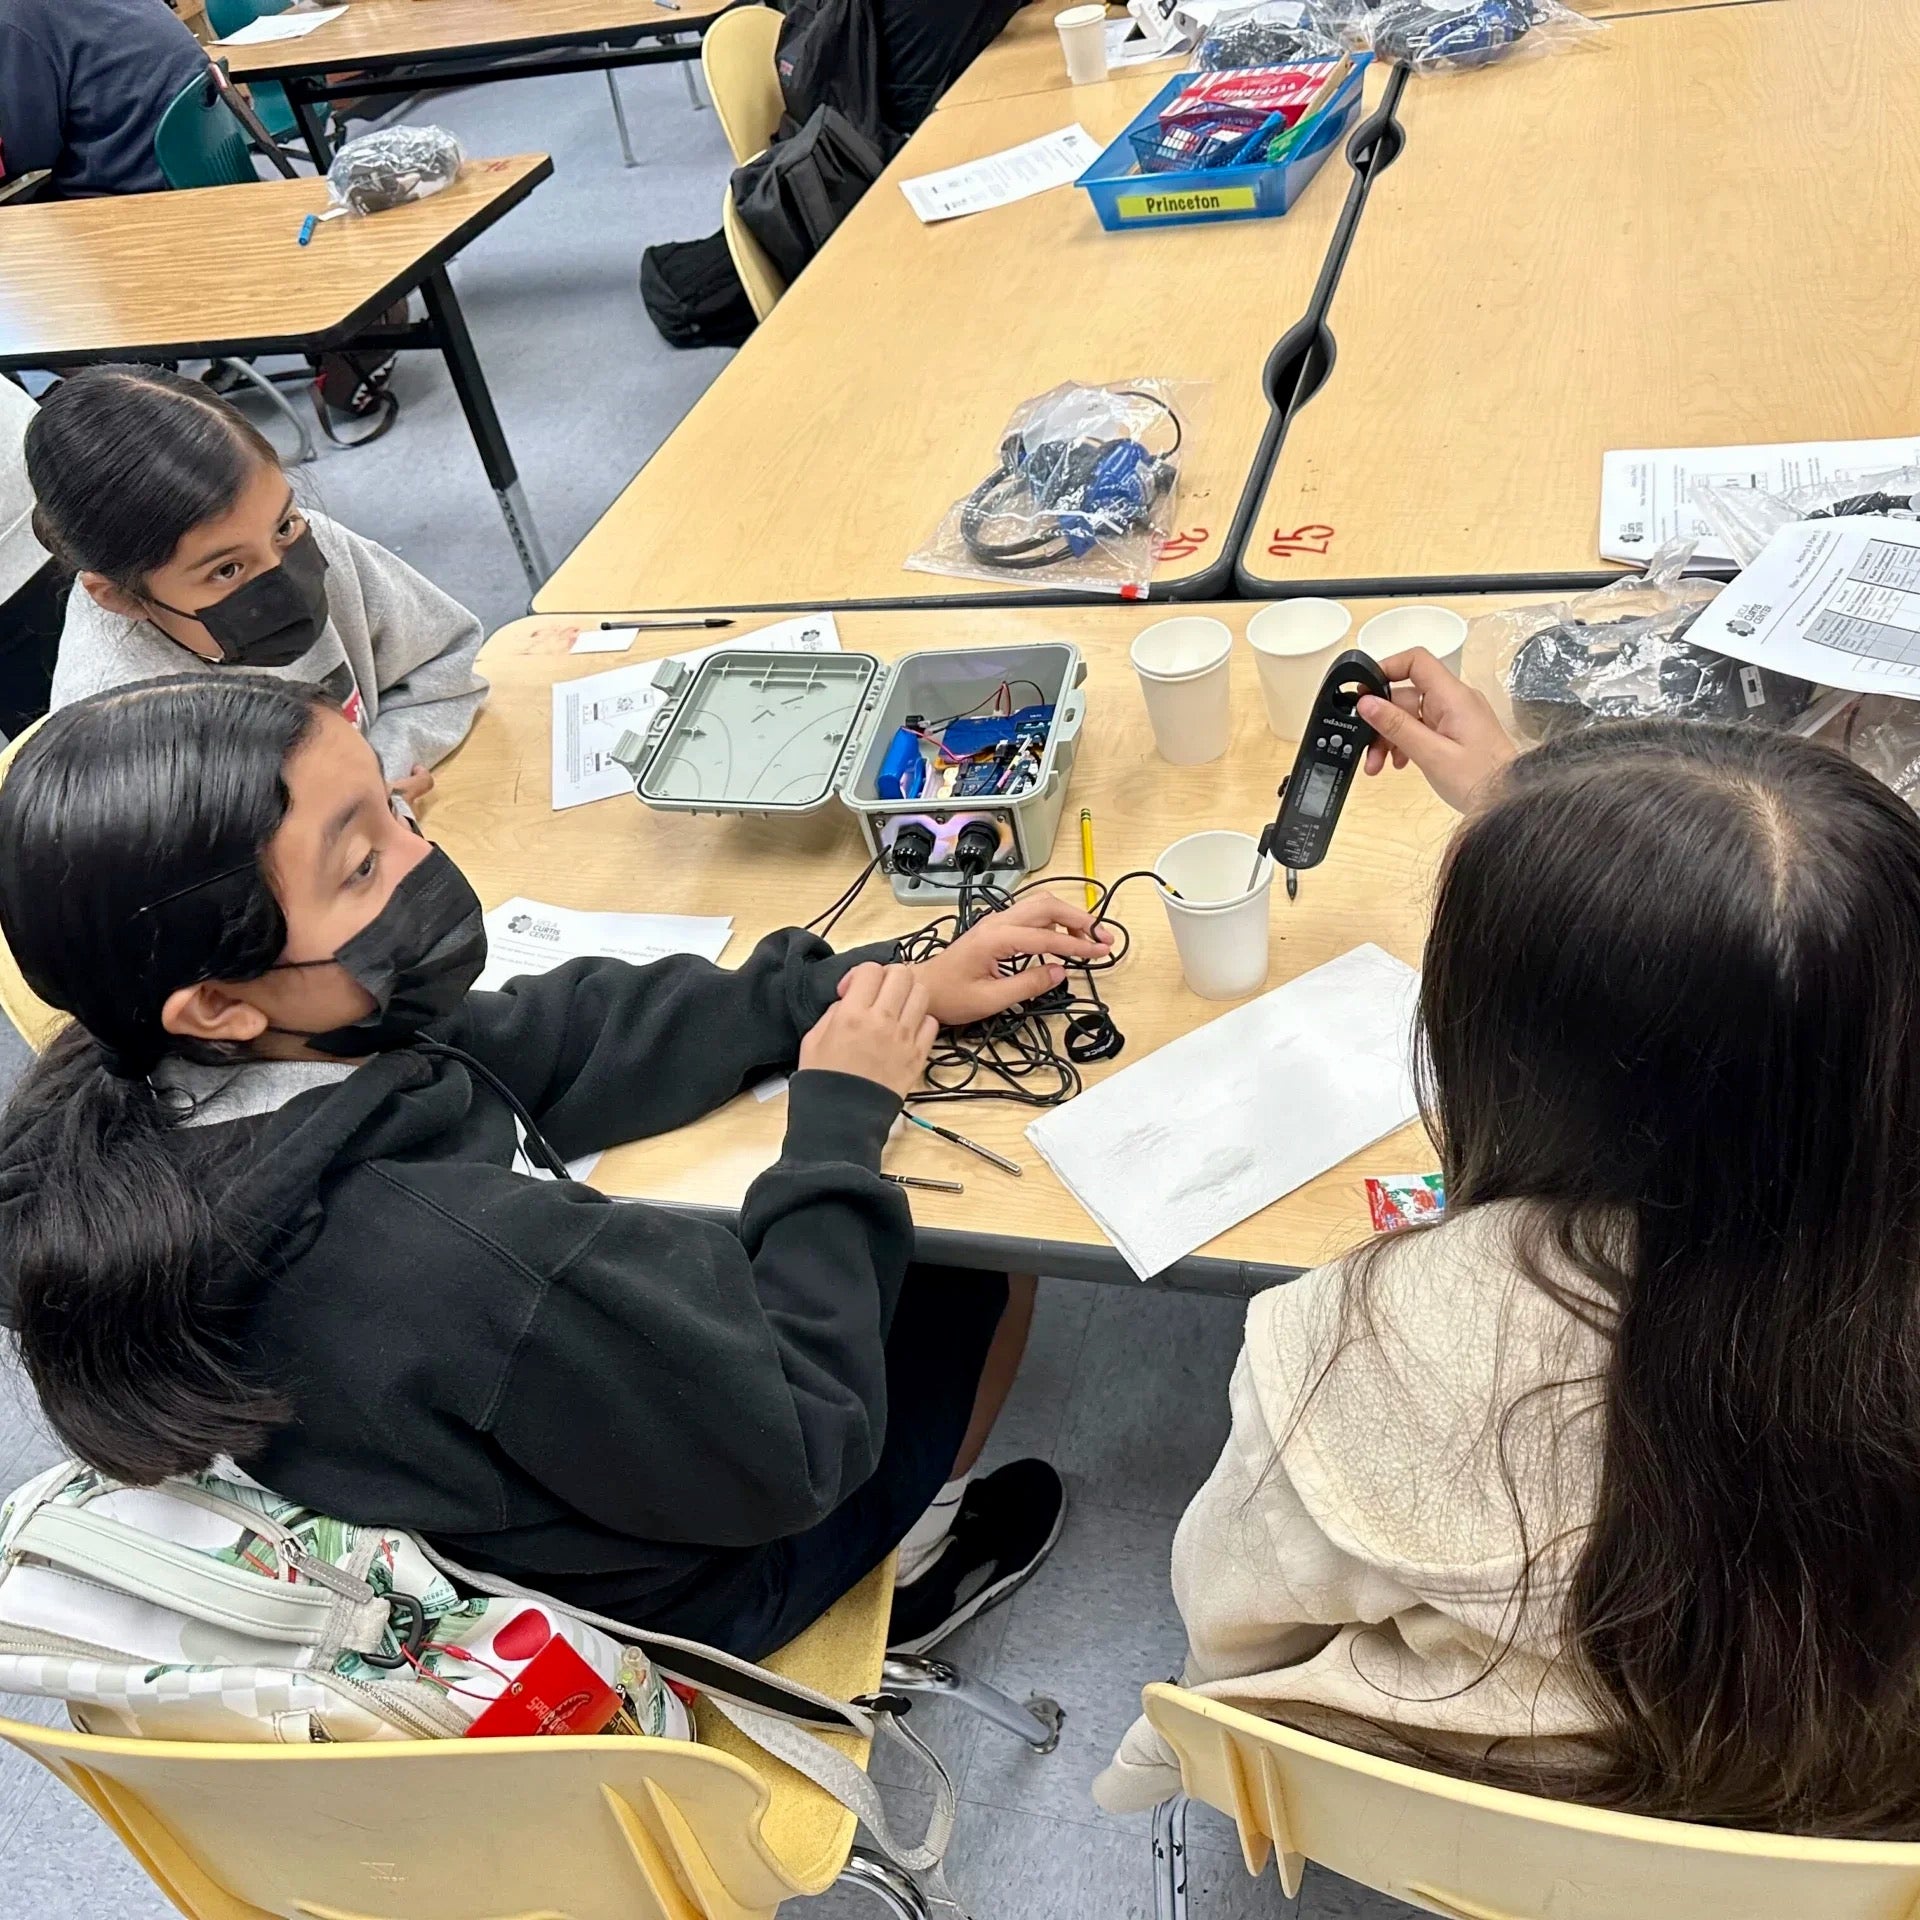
(1081, 16)
(1298, 653)
(1185, 673)
(1420, 606)
(1263, 885)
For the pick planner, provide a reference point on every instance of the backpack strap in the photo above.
(107, 1552)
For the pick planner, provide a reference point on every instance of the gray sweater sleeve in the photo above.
(423, 644)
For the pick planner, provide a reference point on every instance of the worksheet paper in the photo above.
(1832, 601)
(1125, 48)
(1169, 1153)
(590, 715)
(529, 936)
(1053, 160)
(1646, 492)
(270, 27)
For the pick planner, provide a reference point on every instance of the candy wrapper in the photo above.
(1396, 1200)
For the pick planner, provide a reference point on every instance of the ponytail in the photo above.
(133, 828)
(114, 1274)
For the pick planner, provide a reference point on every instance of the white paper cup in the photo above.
(1083, 39)
(1182, 666)
(1441, 632)
(1294, 642)
(1220, 924)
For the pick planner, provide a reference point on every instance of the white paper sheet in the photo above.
(270, 27)
(1832, 601)
(1646, 499)
(590, 715)
(1171, 1152)
(999, 179)
(529, 936)
(1125, 48)
(613, 640)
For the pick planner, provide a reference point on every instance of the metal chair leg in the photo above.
(886, 1883)
(1170, 1859)
(620, 120)
(1037, 1722)
(261, 384)
(690, 69)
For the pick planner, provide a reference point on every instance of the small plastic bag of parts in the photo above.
(1443, 36)
(1882, 735)
(1280, 33)
(1084, 492)
(1621, 653)
(392, 166)
(1744, 519)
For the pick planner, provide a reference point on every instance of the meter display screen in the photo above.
(1317, 792)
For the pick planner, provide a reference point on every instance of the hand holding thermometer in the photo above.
(1333, 744)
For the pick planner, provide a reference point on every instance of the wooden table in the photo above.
(1605, 249)
(876, 393)
(217, 271)
(491, 812)
(404, 46)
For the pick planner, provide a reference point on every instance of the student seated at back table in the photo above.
(83, 87)
(1607, 1486)
(260, 1199)
(190, 548)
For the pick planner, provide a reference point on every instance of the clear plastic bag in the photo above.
(392, 166)
(1621, 653)
(1441, 36)
(1746, 518)
(1882, 734)
(1278, 33)
(1083, 494)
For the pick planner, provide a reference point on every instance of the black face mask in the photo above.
(272, 619)
(418, 957)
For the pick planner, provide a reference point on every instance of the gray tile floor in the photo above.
(1124, 1389)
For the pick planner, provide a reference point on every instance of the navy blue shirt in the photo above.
(83, 84)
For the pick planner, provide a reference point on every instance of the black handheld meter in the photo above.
(1333, 744)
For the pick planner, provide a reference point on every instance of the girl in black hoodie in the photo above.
(264, 1197)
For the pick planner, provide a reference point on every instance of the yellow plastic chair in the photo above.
(737, 56)
(534, 1829)
(758, 274)
(1479, 1853)
(36, 1021)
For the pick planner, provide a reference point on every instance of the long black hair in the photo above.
(1671, 1003)
(126, 461)
(133, 827)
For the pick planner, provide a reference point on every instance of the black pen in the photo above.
(927, 1186)
(660, 626)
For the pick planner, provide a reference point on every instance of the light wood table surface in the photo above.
(492, 813)
(876, 393)
(219, 271)
(380, 33)
(1668, 238)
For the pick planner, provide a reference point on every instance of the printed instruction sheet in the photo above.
(1646, 497)
(271, 27)
(590, 715)
(1832, 601)
(529, 936)
(1053, 160)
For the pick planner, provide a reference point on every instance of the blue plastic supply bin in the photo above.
(1125, 198)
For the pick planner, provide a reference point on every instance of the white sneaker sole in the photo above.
(990, 1595)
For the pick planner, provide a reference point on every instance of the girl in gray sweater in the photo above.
(178, 521)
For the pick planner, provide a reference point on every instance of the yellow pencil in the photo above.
(1086, 855)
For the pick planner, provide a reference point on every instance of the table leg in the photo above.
(312, 125)
(470, 383)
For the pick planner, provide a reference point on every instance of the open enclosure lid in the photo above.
(756, 732)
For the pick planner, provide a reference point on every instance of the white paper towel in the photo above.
(1204, 1133)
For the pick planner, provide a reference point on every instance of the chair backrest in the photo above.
(198, 143)
(737, 56)
(758, 274)
(1477, 1853)
(35, 1021)
(270, 100)
(229, 16)
(601, 1829)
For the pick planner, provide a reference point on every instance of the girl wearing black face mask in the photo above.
(177, 519)
(269, 1196)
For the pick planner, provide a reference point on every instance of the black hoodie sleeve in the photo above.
(675, 1382)
(603, 1052)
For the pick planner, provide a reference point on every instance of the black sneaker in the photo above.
(1005, 1528)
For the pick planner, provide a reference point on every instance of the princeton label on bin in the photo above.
(1154, 206)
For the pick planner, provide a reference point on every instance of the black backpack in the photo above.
(693, 293)
(829, 55)
(795, 194)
